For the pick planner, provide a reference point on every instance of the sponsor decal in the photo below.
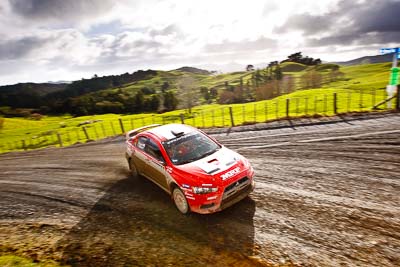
(230, 173)
(185, 186)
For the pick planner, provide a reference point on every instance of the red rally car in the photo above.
(199, 173)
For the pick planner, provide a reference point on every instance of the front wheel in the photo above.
(180, 201)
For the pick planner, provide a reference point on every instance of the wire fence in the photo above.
(226, 116)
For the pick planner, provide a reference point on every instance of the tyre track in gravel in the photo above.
(330, 201)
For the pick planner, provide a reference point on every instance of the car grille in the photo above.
(235, 187)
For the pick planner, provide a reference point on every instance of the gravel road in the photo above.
(326, 195)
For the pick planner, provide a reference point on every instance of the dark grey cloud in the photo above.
(309, 24)
(19, 48)
(352, 23)
(245, 45)
(60, 9)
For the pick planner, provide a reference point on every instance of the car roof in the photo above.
(170, 131)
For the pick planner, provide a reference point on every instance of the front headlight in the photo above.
(204, 190)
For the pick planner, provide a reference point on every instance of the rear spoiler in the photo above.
(134, 132)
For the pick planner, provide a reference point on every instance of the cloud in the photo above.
(309, 24)
(60, 10)
(352, 23)
(226, 46)
(19, 48)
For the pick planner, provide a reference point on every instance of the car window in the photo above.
(141, 143)
(190, 147)
(153, 150)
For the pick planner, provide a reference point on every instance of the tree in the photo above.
(298, 58)
(205, 93)
(139, 101)
(164, 87)
(187, 86)
(213, 92)
(288, 84)
(170, 101)
(226, 97)
(249, 67)
(312, 79)
(154, 102)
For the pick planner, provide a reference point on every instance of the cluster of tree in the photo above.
(314, 78)
(145, 100)
(27, 95)
(82, 97)
(263, 84)
(298, 58)
(84, 86)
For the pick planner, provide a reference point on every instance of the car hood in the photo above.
(213, 164)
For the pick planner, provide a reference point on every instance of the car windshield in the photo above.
(189, 147)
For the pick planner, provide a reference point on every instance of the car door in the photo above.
(155, 167)
(140, 157)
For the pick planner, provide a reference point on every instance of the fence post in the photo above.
(104, 129)
(325, 104)
(277, 109)
(243, 113)
(95, 131)
(24, 145)
(163, 120)
(335, 103)
(77, 134)
(398, 98)
(315, 105)
(86, 133)
(306, 106)
(59, 139)
(223, 117)
(202, 118)
(122, 125)
(132, 124)
(348, 101)
(287, 107)
(182, 118)
(213, 118)
(266, 110)
(361, 99)
(255, 113)
(231, 114)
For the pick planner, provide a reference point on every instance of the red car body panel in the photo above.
(227, 171)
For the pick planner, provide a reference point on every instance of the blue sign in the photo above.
(384, 51)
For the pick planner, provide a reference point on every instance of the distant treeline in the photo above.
(77, 98)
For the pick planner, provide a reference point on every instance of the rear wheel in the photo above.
(133, 169)
(180, 201)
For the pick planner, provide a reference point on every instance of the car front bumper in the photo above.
(221, 202)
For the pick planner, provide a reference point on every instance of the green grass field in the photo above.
(15, 261)
(362, 89)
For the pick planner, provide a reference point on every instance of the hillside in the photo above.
(153, 91)
(367, 60)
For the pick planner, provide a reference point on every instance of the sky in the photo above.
(53, 40)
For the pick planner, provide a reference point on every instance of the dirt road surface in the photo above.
(326, 195)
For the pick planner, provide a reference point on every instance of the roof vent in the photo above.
(176, 133)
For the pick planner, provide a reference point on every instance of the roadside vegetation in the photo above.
(16, 261)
